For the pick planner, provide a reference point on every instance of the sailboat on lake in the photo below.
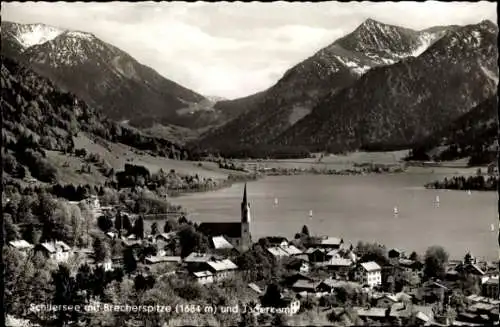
(396, 212)
(275, 202)
(437, 201)
(310, 214)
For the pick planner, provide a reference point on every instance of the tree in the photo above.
(129, 261)
(105, 223)
(168, 227)
(414, 256)
(139, 228)
(190, 240)
(126, 224)
(436, 259)
(118, 222)
(154, 229)
(272, 297)
(84, 279)
(102, 250)
(305, 230)
(10, 230)
(65, 294)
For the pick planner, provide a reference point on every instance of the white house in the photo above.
(222, 269)
(204, 277)
(369, 273)
(58, 250)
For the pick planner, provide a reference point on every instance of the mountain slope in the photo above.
(103, 75)
(267, 114)
(398, 105)
(38, 117)
(473, 135)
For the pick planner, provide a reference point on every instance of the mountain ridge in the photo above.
(266, 115)
(449, 67)
(105, 76)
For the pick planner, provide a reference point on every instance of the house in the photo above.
(292, 279)
(21, 245)
(307, 286)
(107, 265)
(222, 269)
(292, 250)
(412, 267)
(237, 233)
(155, 260)
(369, 273)
(277, 252)
(328, 242)
(316, 254)
(275, 240)
(377, 314)
(339, 266)
(195, 261)
(470, 269)
(490, 288)
(203, 277)
(56, 250)
(220, 243)
(386, 301)
(292, 303)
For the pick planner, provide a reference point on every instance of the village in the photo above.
(366, 284)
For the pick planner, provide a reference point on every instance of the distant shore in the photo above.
(470, 183)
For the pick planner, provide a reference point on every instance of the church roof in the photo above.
(232, 229)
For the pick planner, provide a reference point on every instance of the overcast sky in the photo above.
(234, 49)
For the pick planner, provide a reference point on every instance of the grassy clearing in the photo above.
(117, 155)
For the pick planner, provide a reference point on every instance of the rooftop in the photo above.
(328, 240)
(371, 312)
(199, 257)
(220, 243)
(222, 265)
(159, 259)
(20, 244)
(370, 266)
(277, 251)
(53, 247)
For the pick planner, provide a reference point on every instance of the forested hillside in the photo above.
(37, 116)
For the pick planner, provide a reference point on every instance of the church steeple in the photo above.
(245, 207)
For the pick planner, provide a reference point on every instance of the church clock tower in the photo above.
(246, 238)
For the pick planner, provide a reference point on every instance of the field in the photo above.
(338, 162)
(333, 161)
(117, 155)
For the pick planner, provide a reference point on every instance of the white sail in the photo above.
(275, 201)
(469, 192)
(437, 198)
(396, 210)
(492, 227)
(310, 213)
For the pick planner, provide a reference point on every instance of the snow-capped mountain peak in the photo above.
(29, 35)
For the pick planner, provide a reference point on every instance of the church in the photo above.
(237, 233)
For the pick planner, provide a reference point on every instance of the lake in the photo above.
(360, 208)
